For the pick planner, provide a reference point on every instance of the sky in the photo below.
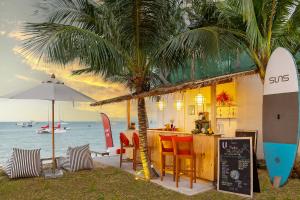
(18, 73)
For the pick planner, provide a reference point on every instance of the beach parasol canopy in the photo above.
(53, 90)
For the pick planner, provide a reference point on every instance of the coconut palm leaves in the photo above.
(254, 26)
(115, 38)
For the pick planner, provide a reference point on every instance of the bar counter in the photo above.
(205, 147)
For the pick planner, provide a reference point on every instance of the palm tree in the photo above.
(116, 39)
(255, 26)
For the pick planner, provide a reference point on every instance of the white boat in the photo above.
(49, 131)
(46, 129)
(26, 124)
(19, 123)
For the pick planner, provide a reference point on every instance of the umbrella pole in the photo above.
(53, 144)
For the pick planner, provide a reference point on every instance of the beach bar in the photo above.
(207, 109)
(202, 113)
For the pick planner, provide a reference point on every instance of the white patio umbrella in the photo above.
(53, 90)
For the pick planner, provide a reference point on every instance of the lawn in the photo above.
(112, 183)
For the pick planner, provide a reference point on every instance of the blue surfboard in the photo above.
(280, 115)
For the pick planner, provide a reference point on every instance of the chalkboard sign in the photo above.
(248, 133)
(235, 166)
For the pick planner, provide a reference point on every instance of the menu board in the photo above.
(235, 166)
(248, 133)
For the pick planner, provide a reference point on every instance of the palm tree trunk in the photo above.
(142, 118)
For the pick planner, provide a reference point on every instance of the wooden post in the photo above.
(128, 114)
(213, 108)
(53, 144)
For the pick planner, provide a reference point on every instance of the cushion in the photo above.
(136, 140)
(25, 163)
(7, 166)
(80, 158)
(118, 151)
(64, 163)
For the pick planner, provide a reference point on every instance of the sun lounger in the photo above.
(104, 153)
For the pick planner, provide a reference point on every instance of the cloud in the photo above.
(17, 35)
(91, 85)
(25, 78)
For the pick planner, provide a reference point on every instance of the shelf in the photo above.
(226, 106)
(226, 118)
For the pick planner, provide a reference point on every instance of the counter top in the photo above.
(163, 131)
(180, 132)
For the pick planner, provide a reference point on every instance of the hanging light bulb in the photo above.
(199, 99)
(161, 105)
(178, 105)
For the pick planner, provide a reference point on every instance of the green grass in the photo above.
(112, 183)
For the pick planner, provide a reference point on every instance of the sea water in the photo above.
(80, 133)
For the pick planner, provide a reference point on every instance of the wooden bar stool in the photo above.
(166, 150)
(184, 150)
(124, 145)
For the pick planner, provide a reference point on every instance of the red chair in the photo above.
(136, 149)
(166, 150)
(184, 149)
(124, 145)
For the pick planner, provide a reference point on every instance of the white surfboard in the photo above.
(280, 115)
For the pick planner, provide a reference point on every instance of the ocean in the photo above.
(80, 133)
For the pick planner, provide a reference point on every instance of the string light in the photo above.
(199, 99)
(178, 105)
(161, 105)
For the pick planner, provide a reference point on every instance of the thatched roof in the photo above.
(175, 88)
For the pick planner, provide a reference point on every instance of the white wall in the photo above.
(250, 101)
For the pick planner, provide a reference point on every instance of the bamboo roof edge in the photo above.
(166, 89)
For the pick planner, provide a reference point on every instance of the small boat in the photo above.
(49, 131)
(46, 129)
(25, 124)
(19, 123)
(63, 122)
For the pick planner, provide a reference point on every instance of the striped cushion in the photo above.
(64, 163)
(7, 167)
(80, 158)
(25, 163)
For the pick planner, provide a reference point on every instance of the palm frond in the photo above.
(85, 14)
(141, 22)
(286, 32)
(247, 10)
(62, 44)
(204, 42)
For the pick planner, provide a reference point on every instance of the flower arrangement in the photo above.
(224, 99)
